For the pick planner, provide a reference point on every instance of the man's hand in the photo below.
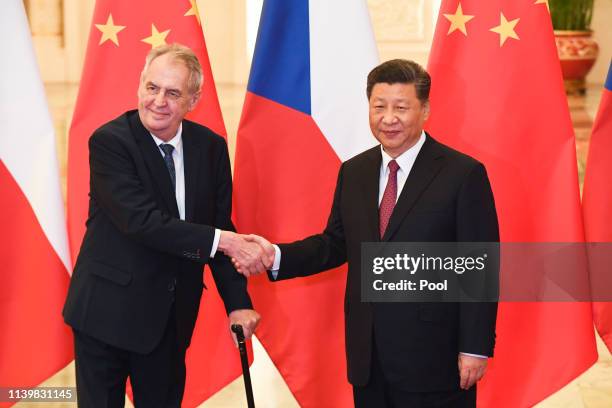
(248, 256)
(471, 370)
(247, 318)
(266, 246)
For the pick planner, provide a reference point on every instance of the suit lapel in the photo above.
(191, 162)
(427, 165)
(155, 163)
(370, 185)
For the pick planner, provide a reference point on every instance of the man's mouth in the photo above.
(158, 115)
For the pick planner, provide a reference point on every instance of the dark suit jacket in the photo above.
(446, 198)
(137, 257)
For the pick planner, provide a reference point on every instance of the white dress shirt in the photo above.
(179, 168)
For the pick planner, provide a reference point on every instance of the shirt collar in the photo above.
(406, 159)
(176, 141)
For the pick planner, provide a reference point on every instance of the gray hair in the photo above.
(179, 52)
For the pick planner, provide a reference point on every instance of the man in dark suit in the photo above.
(410, 188)
(160, 206)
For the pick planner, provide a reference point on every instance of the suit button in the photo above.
(172, 286)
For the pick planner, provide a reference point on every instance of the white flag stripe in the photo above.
(342, 52)
(27, 146)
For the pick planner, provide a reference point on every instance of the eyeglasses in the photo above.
(172, 94)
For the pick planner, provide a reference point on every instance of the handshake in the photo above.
(250, 254)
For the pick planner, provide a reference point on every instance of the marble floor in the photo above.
(593, 389)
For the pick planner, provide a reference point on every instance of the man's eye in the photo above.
(174, 94)
(151, 88)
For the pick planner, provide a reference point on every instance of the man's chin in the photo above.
(158, 118)
(157, 123)
(390, 146)
(155, 127)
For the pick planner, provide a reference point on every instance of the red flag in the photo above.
(35, 343)
(497, 95)
(122, 33)
(597, 201)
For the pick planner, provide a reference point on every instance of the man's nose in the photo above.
(389, 117)
(160, 98)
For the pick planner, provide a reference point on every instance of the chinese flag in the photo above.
(121, 34)
(35, 343)
(597, 205)
(497, 94)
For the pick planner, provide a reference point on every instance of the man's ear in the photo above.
(426, 109)
(195, 98)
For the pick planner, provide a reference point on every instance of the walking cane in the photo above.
(237, 329)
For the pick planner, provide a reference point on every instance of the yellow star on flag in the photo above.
(156, 39)
(458, 21)
(109, 31)
(193, 11)
(505, 29)
(543, 2)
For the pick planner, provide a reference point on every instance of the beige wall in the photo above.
(404, 29)
(60, 29)
(224, 23)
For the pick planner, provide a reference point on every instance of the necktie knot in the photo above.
(393, 166)
(167, 149)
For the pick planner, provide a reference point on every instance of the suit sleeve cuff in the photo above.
(473, 355)
(215, 244)
(276, 263)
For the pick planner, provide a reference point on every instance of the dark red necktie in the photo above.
(389, 197)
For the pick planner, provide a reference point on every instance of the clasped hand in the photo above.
(250, 254)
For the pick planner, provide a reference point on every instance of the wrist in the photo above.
(226, 240)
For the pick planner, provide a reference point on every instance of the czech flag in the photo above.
(305, 112)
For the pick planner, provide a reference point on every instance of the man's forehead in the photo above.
(392, 96)
(396, 88)
(160, 85)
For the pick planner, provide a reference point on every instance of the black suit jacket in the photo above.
(446, 198)
(138, 258)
